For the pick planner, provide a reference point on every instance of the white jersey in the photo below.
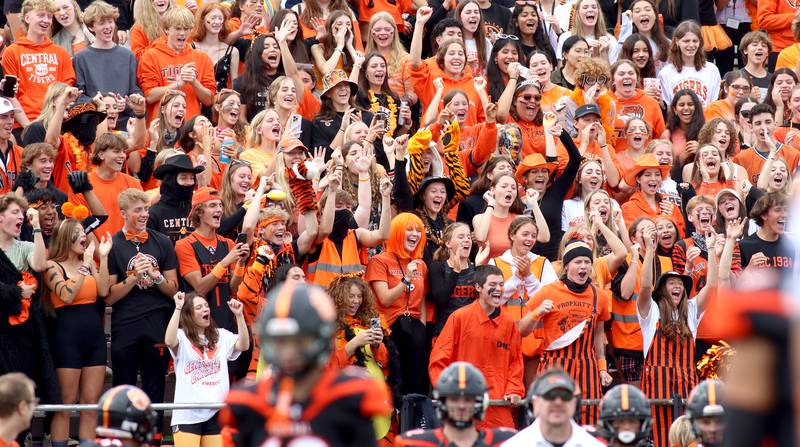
(705, 83)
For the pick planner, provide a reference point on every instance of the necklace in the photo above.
(78, 151)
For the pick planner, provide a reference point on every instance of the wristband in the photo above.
(36, 230)
(160, 279)
(218, 271)
(365, 180)
(140, 117)
(602, 364)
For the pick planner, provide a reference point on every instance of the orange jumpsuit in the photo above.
(493, 345)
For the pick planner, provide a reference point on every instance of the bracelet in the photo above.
(365, 180)
(37, 230)
(602, 364)
(490, 206)
(218, 271)
(140, 117)
(160, 279)
(178, 308)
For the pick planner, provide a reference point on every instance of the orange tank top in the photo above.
(86, 295)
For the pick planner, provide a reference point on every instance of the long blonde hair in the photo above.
(148, 18)
(229, 202)
(55, 90)
(396, 50)
(280, 179)
(599, 26)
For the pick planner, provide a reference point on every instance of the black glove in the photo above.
(79, 182)
(25, 180)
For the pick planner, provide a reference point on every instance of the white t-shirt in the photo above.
(705, 83)
(649, 323)
(572, 212)
(201, 377)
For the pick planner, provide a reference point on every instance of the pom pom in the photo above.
(67, 209)
(80, 212)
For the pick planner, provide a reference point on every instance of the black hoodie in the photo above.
(170, 215)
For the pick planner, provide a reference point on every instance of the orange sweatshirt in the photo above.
(423, 77)
(720, 108)
(637, 207)
(775, 17)
(640, 106)
(36, 66)
(160, 66)
(139, 41)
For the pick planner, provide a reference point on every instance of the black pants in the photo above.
(409, 335)
(139, 347)
(725, 59)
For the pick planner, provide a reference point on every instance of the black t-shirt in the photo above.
(139, 303)
(776, 251)
(495, 19)
(34, 133)
(450, 291)
(325, 130)
(761, 83)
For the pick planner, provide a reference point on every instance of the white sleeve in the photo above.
(649, 325)
(666, 88)
(532, 284)
(714, 81)
(693, 318)
(625, 29)
(183, 342)
(614, 48)
(512, 285)
(227, 341)
(561, 40)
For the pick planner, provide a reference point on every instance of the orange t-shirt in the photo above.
(423, 77)
(720, 108)
(160, 66)
(569, 309)
(711, 189)
(86, 295)
(36, 66)
(385, 267)
(550, 97)
(107, 191)
(187, 261)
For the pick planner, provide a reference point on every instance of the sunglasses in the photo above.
(506, 36)
(745, 114)
(591, 80)
(531, 96)
(564, 395)
(525, 3)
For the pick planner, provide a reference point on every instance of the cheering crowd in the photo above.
(571, 189)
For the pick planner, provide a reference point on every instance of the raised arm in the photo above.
(423, 15)
(371, 238)
(627, 287)
(53, 135)
(287, 59)
(432, 112)
(507, 97)
(171, 335)
(532, 202)
(713, 275)
(645, 298)
(363, 165)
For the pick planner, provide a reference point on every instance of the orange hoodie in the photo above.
(637, 207)
(160, 66)
(775, 17)
(640, 106)
(36, 66)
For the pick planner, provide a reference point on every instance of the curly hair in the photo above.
(339, 290)
(592, 67)
(707, 133)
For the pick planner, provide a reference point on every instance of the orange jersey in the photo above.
(11, 167)
(493, 345)
(161, 66)
(36, 66)
(752, 161)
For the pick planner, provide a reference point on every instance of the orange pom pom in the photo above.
(80, 212)
(67, 209)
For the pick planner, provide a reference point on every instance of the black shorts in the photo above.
(207, 428)
(79, 338)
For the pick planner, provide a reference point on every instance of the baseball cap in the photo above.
(553, 380)
(5, 106)
(587, 109)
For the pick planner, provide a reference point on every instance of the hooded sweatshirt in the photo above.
(36, 66)
(637, 106)
(775, 17)
(161, 66)
(170, 215)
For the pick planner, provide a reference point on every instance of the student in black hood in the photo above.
(170, 215)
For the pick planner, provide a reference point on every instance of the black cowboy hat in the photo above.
(428, 181)
(662, 281)
(175, 164)
(83, 108)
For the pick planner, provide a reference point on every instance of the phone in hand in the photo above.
(241, 238)
(9, 86)
(375, 323)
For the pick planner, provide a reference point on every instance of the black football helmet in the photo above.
(706, 401)
(460, 379)
(124, 412)
(297, 311)
(625, 402)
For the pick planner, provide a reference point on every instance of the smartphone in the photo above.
(241, 238)
(651, 83)
(382, 115)
(526, 73)
(9, 86)
(375, 323)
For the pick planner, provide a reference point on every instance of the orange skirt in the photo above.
(715, 38)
